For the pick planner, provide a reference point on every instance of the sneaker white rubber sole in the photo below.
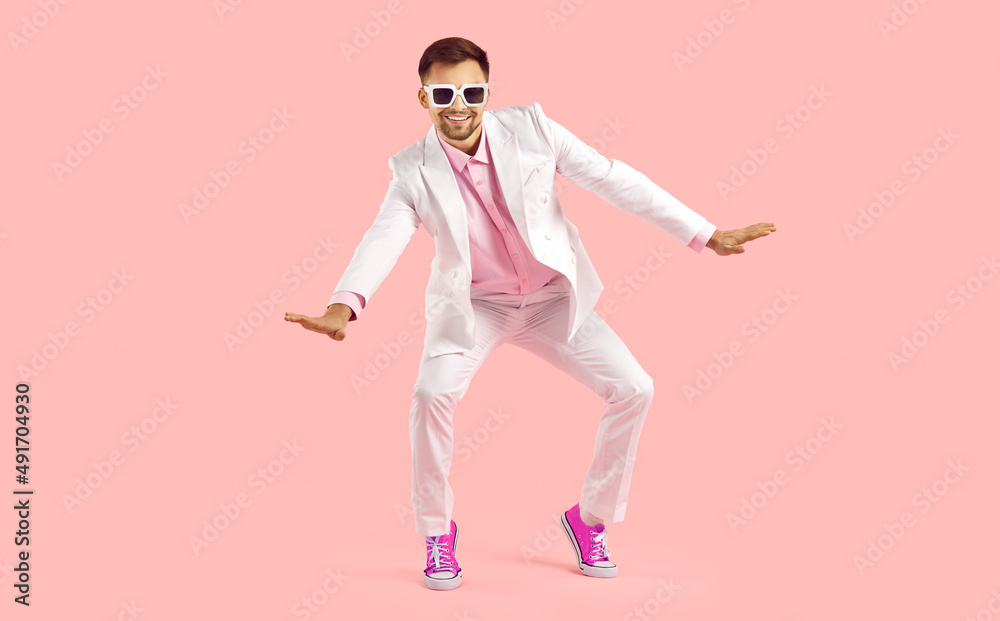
(443, 584)
(588, 570)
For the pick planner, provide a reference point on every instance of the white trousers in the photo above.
(537, 322)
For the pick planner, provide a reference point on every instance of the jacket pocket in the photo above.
(536, 173)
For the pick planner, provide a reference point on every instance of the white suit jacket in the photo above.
(527, 150)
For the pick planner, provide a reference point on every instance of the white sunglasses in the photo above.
(443, 95)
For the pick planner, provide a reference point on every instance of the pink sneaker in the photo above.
(590, 545)
(443, 572)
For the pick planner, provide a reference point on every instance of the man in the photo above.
(508, 268)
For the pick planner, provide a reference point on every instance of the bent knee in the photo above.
(435, 394)
(645, 386)
(639, 387)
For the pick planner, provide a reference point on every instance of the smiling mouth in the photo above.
(457, 120)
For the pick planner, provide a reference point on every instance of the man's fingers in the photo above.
(309, 323)
(764, 228)
(316, 324)
(732, 241)
(297, 318)
(754, 231)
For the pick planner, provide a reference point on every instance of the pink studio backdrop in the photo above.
(193, 456)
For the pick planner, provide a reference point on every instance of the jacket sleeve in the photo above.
(618, 183)
(380, 247)
(350, 299)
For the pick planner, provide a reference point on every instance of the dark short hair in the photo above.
(451, 51)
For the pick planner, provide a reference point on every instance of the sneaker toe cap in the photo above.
(441, 575)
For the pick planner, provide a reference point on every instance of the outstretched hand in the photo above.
(332, 324)
(731, 242)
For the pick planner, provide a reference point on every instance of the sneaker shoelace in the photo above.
(598, 546)
(438, 553)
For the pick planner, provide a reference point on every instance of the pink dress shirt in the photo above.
(501, 260)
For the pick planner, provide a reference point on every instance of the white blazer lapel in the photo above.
(506, 156)
(442, 190)
(442, 187)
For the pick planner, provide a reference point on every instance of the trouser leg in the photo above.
(441, 383)
(598, 359)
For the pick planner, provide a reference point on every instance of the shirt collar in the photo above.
(460, 159)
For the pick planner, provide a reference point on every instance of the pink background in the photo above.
(338, 506)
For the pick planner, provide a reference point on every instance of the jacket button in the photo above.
(452, 273)
(548, 236)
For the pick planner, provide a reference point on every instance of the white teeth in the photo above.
(458, 118)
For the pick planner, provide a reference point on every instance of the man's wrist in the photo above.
(713, 240)
(338, 308)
